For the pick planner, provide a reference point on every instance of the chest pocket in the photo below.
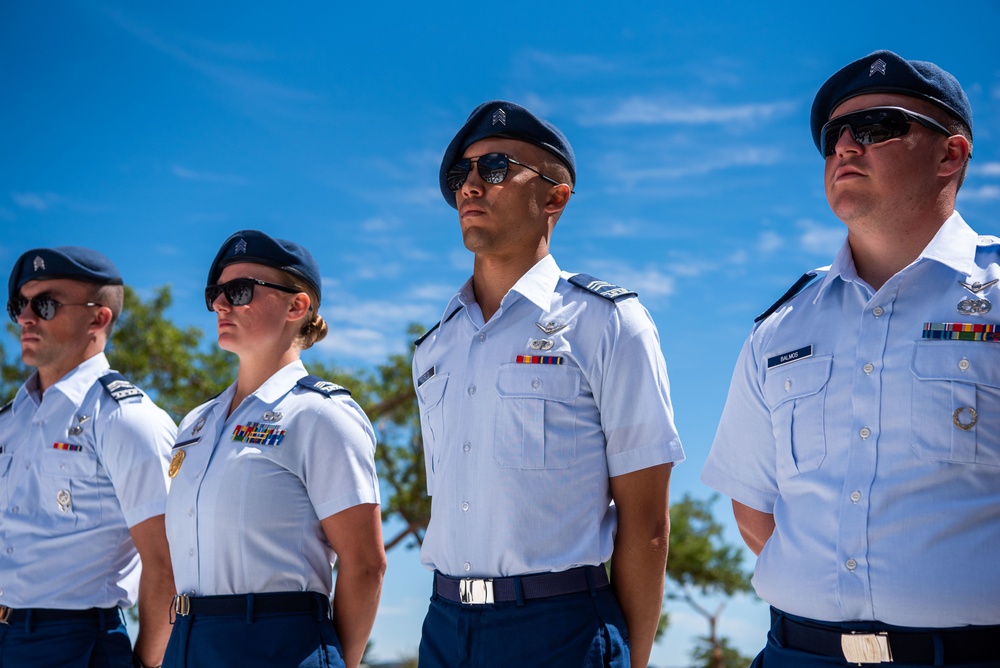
(69, 487)
(431, 401)
(956, 399)
(535, 420)
(796, 396)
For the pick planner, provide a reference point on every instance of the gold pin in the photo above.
(175, 464)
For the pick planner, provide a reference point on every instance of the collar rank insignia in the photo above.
(877, 66)
(38, 263)
(241, 246)
(257, 433)
(500, 116)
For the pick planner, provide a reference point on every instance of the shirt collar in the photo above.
(277, 385)
(74, 385)
(954, 245)
(537, 286)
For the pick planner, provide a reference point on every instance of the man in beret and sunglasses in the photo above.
(83, 462)
(543, 398)
(860, 438)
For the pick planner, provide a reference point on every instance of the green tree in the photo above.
(702, 563)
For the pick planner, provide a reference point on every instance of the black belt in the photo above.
(251, 605)
(953, 646)
(108, 616)
(474, 591)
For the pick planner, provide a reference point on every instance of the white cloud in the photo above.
(36, 201)
(645, 111)
(769, 241)
(207, 177)
(818, 239)
(985, 169)
(982, 193)
(704, 163)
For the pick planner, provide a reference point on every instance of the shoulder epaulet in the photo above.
(796, 288)
(6, 407)
(436, 325)
(119, 388)
(599, 287)
(325, 387)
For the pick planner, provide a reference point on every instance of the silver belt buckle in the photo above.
(5, 614)
(476, 592)
(182, 605)
(866, 647)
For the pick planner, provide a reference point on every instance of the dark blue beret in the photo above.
(885, 72)
(73, 262)
(499, 118)
(256, 247)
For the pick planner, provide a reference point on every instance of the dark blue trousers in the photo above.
(299, 640)
(100, 642)
(582, 630)
(777, 655)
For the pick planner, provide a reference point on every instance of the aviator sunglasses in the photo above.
(43, 305)
(492, 169)
(239, 291)
(874, 126)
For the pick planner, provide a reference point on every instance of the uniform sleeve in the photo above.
(135, 445)
(633, 393)
(338, 467)
(741, 463)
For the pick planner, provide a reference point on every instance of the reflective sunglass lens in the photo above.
(239, 291)
(44, 307)
(492, 167)
(15, 306)
(457, 174)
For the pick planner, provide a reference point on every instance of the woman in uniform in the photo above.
(273, 480)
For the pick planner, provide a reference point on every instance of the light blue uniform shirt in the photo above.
(77, 470)
(245, 506)
(886, 509)
(518, 455)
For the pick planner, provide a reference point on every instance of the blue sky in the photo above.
(153, 131)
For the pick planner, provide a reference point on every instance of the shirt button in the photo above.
(15, 510)
(10, 550)
(865, 432)
(62, 466)
(467, 566)
(466, 446)
(472, 390)
(190, 512)
(536, 383)
(788, 385)
(964, 364)
(482, 338)
(878, 311)
(1, 592)
(191, 552)
(855, 496)
(465, 506)
(851, 564)
(868, 367)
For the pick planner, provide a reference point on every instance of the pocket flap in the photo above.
(798, 379)
(539, 381)
(975, 362)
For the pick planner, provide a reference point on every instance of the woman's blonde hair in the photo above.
(314, 329)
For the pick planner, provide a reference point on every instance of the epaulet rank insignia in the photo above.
(325, 387)
(6, 407)
(436, 325)
(118, 387)
(796, 288)
(599, 287)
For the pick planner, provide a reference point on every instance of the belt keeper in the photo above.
(519, 592)
(5, 614)
(938, 648)
(249, 608)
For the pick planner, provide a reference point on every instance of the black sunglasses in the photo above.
(874, 126)
(239, 291)
(43, 305)
(492, 169)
